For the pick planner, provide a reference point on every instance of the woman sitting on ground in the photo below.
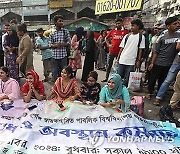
(115, 95)
(9, 88)
(33, 87)
(90, 90)
(65, 88)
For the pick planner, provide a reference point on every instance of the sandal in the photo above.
(176, 107)
(157, 102)
(148, 96)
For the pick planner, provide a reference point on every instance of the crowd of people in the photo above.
(61, 55)
(114, 94)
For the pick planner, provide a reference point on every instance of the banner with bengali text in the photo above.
(82, 129)
(111, 6)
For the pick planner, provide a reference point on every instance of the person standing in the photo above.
(101, 62)
(117, 35)
(43, 44)
(13, 24)
(59, 40)
(11, 44)
(151, 50)
(1, 51)
(89, 57)
(25, 50)
(76, 44)
(175, 99)
(164, 55)
(6, 27)
(171, 76)
(130, 54)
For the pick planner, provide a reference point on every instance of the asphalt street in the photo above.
(150, 111)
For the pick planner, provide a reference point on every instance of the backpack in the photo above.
(139, 42)
(166, 114)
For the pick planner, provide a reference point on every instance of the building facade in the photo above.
(161, 9)
(41, 12)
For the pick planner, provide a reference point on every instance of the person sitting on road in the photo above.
(33, 87)
(90, 90)
(114, 94)
(10, 89)
(65, 88)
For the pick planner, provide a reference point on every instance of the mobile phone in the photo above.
(32, 107)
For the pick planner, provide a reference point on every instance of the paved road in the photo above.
(151, 111)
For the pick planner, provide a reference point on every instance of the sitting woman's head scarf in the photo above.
(38, 85)
(117, 92)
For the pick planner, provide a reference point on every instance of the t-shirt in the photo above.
(153, 44)
(177, 58)
(166, 49)
(116, 38)
(130, 49)
(46, 54)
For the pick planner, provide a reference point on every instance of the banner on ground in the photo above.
(111, 6)
(55, 4)
(82, 129)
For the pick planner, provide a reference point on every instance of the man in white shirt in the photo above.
(6, 27)
(130, 54)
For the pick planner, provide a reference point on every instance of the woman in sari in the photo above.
(114, 94)
(11, 44)
(9, 88)
(33, 87)
(65, 88)
(101, 62)
(76, 44)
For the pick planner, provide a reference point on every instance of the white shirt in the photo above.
(129, 53)
(3, 40)
(178, 41)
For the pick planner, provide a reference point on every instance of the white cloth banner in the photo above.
(82, 129)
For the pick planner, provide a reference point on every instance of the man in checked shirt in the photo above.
(59, 40)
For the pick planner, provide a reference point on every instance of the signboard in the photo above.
(34, 2)
(54, 4)
(82, 129)
(110, 6)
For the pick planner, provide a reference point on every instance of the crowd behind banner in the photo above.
(120, 49)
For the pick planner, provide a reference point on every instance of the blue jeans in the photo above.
(57, 67)
(124, 72)
(171, 76)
